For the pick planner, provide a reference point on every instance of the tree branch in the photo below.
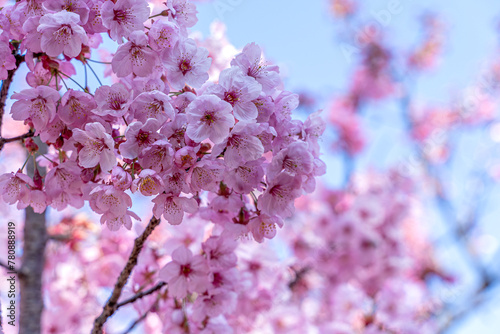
(4, 265)
(112, 303)
(3, 141)
(4, 92)
(33, 261)
(16, 270)
(141, 294)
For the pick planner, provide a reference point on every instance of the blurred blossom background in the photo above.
(409, 90)
(405, 85)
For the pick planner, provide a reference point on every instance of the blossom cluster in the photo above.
(357, 264)
(228, 149)
(367, 257)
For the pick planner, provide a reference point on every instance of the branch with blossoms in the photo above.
(112, 304)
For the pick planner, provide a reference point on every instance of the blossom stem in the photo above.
(254, 198)
(96, 76)
(51, 76)
(43, 155)
(98, 62)
(67, 76)
(142, 294)
(24, 165)
(86, 82)
(151, 17)
(64, 83)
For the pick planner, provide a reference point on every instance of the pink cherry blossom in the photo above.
(148, 182)
(183, 11)
(124, 17)
(250, 62)
(74, 6)
(139, 136)
(172, 207)
(154, 104)
(37, 105)
(107, 199)
(75, 107)
(157, 156)
(209, 118)
(241, 145)
(220, 252)
(134, 57)
(114, 222)
(187, 64)
(121, 179)
(7, 60)
(186, 273)
(264, 226)
(112, 101)
(163, 35)
(206, 175)
(14, 187)
(62, 34)
(279, 195)
(33, 37)
(239, 91)
(295, 160)
(185, 157)
(63, 186)
(246, 177)
(98, 147)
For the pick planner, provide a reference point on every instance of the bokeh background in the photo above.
(317, 52)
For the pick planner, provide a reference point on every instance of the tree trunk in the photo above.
(33, 261)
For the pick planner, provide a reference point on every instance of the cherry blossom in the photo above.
(62, 34)
(97, 147)
(186, 273)
(186, 64)
(209, 117)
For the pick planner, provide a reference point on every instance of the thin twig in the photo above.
(141, 294)
(112, 303)
(4, 141)
(141, 318)
(70, 78)
(16, 270)
(4, 265)
(96, 76)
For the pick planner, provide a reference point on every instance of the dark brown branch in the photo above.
(141, 294)
(28, 134)
(4, 92)
(112, 303)
(4, 141)
(16, 270)
(4, 265)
